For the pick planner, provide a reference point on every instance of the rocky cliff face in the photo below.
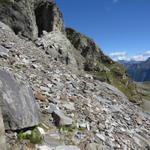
(30, 17)
(95, 60)
(78, 112)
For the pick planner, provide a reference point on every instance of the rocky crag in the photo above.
(30, 18)
(48, 101)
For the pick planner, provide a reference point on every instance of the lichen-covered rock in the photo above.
(18, 105)
(30, 17)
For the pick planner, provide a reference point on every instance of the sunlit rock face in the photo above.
(30, 18)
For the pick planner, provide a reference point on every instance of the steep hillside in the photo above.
(101, 66)
(53, 94)
(139, 71)
(76, 112)
(35, 18)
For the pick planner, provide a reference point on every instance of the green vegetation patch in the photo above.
(117, 76)
(33, 136)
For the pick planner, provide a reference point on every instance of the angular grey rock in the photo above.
(2, 133)
(52, 108)
(100, 136)
(3, 52)
(61, 119)
(18, 105)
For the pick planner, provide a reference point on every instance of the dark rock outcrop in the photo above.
(30, 17)
(101, 66)
(18, 105)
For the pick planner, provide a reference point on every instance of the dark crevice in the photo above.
(44, 18)
(16, 30)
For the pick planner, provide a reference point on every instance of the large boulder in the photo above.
(18, 105)
(30, 17)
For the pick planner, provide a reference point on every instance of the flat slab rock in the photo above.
(67, 148)
(61, 119)
(3, 51)
(19, 108)
(63, 147)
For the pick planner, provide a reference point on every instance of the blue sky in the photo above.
(120, 27)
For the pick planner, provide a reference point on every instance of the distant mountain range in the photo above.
(138, 70)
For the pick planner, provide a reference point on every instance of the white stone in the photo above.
(67, 147)
(44, 147)
(41, 130)
(46, 89)
(69, 106)
(100, 136)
